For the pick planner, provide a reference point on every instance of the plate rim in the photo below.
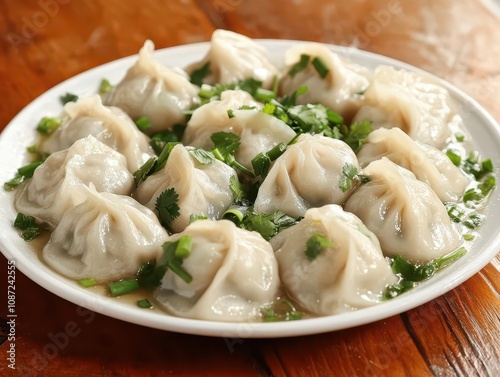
(126, 312)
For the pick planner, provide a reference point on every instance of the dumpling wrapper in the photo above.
(405, 214)
(307, 175)
(203, 189)
(56, 185)
(430, 165)
(109, 125)
(350, 274)
(234, 272)
(107, 237)
(155, 91)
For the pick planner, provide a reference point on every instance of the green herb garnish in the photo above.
(122, 287)
(143, 123)
(48, 125)
(281, 310)
(68, 97)
(28, 226)
(23, 173)
(320, 67)
(300, 65)
(167, 207)
(198, 75)
(316, 244)
(87, 283)
(105, 87)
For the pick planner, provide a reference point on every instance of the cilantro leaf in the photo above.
(236, 189)
(68, 97)
(316, 244)
(167, 207)
(268, 225)
(356, 134)
(160, 139)
(411, 273)
(225, 146)
(202, 156)
(349, 176)
(28, 226)
(198, 75)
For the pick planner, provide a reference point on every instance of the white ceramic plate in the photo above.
(20, 133)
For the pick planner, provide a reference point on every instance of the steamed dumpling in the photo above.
(430, 165)
(339, 90)
(106, 237)
(308, 174)
(350, 273)
(411, 101)
(259, 132)
(56, 185)
(234, 272)
(203, 189)
(109, 125)
(235, 57)
(155, 91)
(214, 115)
(404, 213)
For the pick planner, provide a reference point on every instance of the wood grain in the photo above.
(454, 335)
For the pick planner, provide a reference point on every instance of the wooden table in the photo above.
(47, 41)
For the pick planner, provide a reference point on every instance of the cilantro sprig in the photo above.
(151, 273)
(29, 227)
(167, 207)
(351, 177)
(226, 144)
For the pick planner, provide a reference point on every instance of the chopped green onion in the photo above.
(469, 237)
(144, 304)
(281, 310)
(184, 245)
(48, 125)
(234, 215)
(300, 65)
(122, 287)
(87, 283)
(193, 218)
(143, 123)
(230, 113)
(454, 157)
(320, 67)
(105, 87)
(22, 174)
(459, 136)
